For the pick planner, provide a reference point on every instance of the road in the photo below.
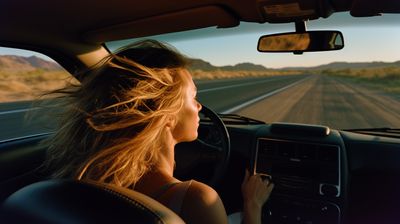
(301, 99)
(328, 101)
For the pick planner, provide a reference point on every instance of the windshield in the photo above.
(356, 87)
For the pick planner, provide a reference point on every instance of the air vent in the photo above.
(307, 152)
(267, 148)
(328, 153)
(303, 168)
(298, 150)
(287, 149)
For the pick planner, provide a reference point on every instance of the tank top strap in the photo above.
(175, 204)
(163, 189)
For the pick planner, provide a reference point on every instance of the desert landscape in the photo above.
(28, 78)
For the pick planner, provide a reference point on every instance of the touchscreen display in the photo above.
(312, 162)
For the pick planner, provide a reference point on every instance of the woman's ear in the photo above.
(171, 122)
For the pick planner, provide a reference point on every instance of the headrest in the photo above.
(70, 201)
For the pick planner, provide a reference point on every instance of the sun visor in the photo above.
(284, 11)
(188, 19)
(362, 8)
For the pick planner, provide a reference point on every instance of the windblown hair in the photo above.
(111, 128)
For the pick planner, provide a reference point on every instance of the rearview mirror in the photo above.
(301, 42)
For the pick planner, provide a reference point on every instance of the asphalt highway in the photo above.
(300, 99)
(328, 101)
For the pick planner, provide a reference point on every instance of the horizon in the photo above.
(44, 57)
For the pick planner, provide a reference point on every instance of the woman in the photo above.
(121, 126)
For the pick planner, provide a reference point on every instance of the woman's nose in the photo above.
(199, 106)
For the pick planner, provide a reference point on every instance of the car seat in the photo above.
(72, 201)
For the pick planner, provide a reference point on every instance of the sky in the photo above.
(364, 43)
(360, 46)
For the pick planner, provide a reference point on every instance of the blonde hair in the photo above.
(112, 127)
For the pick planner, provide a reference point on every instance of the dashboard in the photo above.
(323, 175)
(307, 174)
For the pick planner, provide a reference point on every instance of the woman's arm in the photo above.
(203, 205)
(256, 192)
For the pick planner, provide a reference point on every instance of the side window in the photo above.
(24, 77)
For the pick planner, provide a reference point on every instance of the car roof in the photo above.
(72, 32)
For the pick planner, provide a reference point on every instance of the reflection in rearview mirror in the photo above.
(301, 42)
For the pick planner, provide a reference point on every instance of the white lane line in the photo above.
(17, 111)
(199, 91)
(240, 106)
(235, 85)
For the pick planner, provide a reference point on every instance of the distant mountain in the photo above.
(40, 63)
(198, 64)
(244, 67)
(13, 63)
(20, 63)
(347, 65)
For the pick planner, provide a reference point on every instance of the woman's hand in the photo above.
(256, 191)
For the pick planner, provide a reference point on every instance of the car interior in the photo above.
(321, 174)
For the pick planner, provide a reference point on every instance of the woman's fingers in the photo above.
(266, 177)
(257, 188)
(267, 185)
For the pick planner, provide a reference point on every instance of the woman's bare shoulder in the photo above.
(202, 204)
(201, 192)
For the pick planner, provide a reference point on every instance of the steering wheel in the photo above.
(212, 146)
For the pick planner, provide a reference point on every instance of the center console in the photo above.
(307, 178)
